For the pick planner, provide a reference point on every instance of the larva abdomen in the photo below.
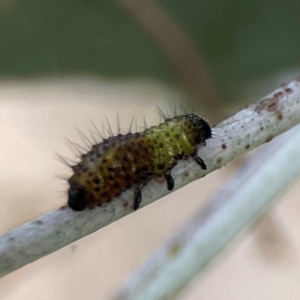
(124, 161)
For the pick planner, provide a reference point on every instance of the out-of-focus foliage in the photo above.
(241, 40)
(75, 36)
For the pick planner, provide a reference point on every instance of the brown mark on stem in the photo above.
(269, 104)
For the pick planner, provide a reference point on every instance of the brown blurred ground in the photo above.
(35, 118)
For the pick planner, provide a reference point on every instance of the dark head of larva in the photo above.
(76, 196)
(200, 129)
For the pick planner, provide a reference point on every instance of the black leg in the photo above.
(201, 163)
(138, 195)
(170, 180)
(137, 199)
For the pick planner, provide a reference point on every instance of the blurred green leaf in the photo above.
(241, 40)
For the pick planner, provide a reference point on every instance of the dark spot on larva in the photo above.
(84, 169)
(269, 139)
(125, 204)
(98, 155)
(135, 153)
(247, 146)
(161, 145)
(177, 136)
(110, 178)
(11, 239)
(104, 194)
(136, 180)
(224, 146)
(97, 189)
(288, 90)
(110, 169)
(219, 160)
(174, 147)
(161, 166)
(116, 185)
(96, 180)
(39, 222)
(104, 160)
(144, 168)
(64, 207)
(261, 128)
(167, 134)
(90, 174)
(279, 116)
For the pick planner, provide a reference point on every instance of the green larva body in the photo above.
(132, 160)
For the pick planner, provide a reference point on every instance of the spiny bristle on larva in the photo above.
(132, 160)
(174, 112)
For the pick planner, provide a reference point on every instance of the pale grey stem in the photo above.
(240, 202)
(249, 128)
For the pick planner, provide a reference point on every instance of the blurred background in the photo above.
(64, 64)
